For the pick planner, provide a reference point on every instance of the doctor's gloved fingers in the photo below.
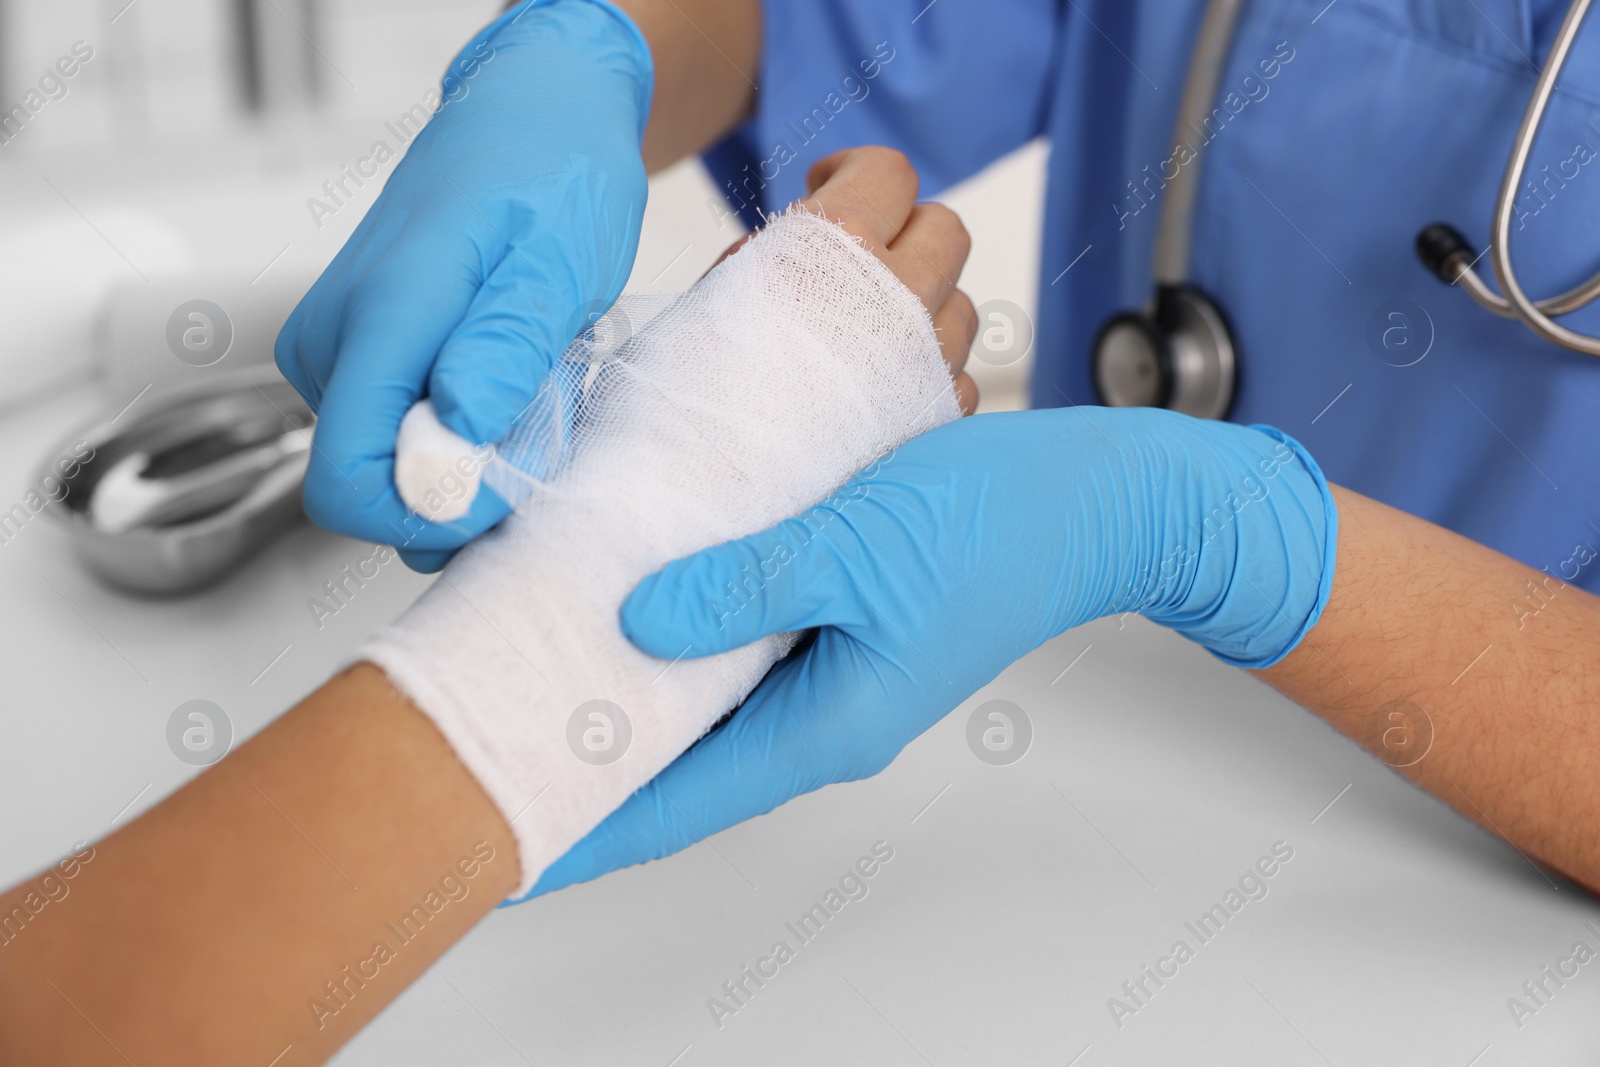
(384, 330)
(787, 740)
(492, 365)
(802, 573)
(293, 361)
(412, 275)
(648, 826)
(426, 561)
(956, 324)
(307, 346)
(365, 505)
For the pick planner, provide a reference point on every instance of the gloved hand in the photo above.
(509, 225)
(951, 558)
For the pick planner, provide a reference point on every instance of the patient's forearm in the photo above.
(1475, 674)
(280, 899)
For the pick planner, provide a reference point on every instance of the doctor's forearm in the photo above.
(707, 55)
(1472, 673)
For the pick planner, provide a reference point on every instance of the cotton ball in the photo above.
(436, 470)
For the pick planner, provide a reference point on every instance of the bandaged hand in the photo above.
(806, 356)
(871, 192)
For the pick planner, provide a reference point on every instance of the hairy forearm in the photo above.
(244, 913)
(1471, 673)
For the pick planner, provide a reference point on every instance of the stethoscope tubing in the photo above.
(1534, 315)
(1440, 246)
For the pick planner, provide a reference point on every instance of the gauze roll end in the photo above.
(431, 463)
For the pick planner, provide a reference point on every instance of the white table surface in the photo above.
(1019, 899)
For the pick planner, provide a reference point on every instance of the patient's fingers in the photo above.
(929, 253)
(869, 191)
(823, 169)
(957, 325)
(872, 193)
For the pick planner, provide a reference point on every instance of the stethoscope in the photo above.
(1179, 353)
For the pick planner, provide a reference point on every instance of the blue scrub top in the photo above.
(1340, 131)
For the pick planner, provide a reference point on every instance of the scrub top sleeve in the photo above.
(953, 85)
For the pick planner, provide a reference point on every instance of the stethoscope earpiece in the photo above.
(1444, 251)
(1447, 254)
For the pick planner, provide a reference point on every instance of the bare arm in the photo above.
(245, 913)
(1472, 673)
(707, 55)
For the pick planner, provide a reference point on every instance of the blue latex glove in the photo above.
(511, 222)
(951, 558)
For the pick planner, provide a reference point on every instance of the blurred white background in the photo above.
(177, 162)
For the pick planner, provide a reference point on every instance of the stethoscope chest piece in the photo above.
(1178, 356)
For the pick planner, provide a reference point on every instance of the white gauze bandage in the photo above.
(712, 415)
